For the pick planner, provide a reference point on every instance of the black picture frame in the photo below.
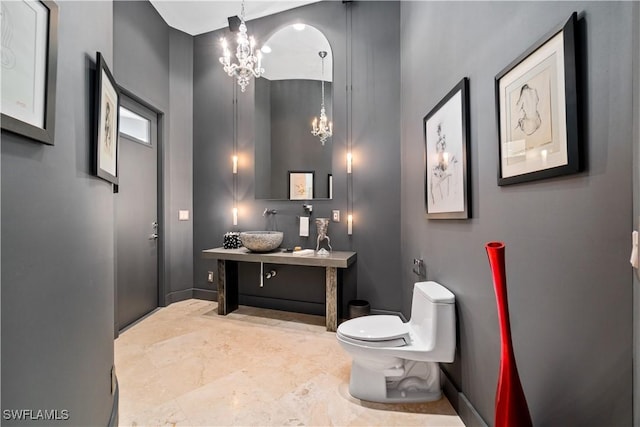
(107, 123)
(298, 192)
(46, 100)
(447, 140)
(537, 110)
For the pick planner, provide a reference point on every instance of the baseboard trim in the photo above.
(177, 296)
(205, 294)
(113, 419)
(467, 413)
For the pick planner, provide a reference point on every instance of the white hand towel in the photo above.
(304, 226)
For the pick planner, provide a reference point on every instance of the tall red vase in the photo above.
(511, 404)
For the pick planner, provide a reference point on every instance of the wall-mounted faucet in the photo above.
(307, 208)
(268, 211)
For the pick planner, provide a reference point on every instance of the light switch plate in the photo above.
(183, 215)
(335, 216)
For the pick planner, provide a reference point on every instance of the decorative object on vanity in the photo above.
(249, 58)
(511, 405)
(322, 128)
(447, 140)
(107, 105)
(537, 110)
(261, 241)
(388, 364)
(301, 185)
(322, 225)
(231, 240)
(29, 67)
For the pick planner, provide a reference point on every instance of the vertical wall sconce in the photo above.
(350, 224)
(234, 160)
(349, 161)
(235, 216)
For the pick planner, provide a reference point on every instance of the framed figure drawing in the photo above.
(301, 185)
(446, 136)
(537, 102)
(29, 66)
(107, 99)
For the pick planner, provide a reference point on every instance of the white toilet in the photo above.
(398, 362)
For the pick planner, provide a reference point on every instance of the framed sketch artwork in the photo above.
(107, 99)
(29, 65)
(536, 98)
(446, 136)
(301, 185)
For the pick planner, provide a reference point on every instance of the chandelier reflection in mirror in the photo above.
(322, 128)
(249, 59)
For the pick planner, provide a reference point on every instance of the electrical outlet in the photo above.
(336, 216)
(210, 276)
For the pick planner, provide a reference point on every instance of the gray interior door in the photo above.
(137, 214)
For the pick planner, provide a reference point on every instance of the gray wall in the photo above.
(179, 162)
(567, 239)
(58, 245)
(154, 62)
(375, 122)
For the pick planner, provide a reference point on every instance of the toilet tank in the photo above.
(433, 319)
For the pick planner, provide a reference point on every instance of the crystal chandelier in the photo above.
(249, 60)
(322, 128)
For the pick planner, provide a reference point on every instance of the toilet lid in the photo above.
(375, 328)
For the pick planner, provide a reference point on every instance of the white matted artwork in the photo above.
(107, 107)
(537, 110)
(446, 133)
(29, 64)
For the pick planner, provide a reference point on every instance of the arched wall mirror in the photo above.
(290, 162)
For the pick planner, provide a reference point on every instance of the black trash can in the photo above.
(358, 307)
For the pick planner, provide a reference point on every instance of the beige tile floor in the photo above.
(186, 366)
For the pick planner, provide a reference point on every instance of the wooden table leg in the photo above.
(331, 289)
(222, 288)
(227, 286)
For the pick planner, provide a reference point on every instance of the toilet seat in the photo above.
(376, 331)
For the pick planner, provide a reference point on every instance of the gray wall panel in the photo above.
(58, 245)
(179, 194)
(567, 239)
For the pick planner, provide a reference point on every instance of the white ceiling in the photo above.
(200, 16)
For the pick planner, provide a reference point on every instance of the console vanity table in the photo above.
(228, 278)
